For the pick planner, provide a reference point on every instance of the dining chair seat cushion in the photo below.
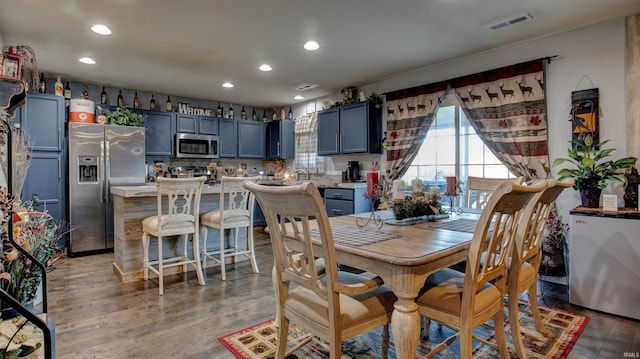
(354, 309)
(213, 217)
(179, 224)
(443, 291)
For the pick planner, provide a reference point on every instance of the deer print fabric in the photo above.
(506, 107)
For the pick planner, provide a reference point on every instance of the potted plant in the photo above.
(591, 171)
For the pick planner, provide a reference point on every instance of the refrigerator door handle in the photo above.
(101, 169)
(107, 177)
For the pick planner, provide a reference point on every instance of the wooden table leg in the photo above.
(405, 326)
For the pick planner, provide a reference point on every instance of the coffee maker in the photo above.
(353, 171)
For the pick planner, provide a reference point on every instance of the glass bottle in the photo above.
(58, 89)
(67, 92)
(103, 96)
(120, 99)
(136, 100)
(85, 92)
(290, 113)
(167, 105)
(243, 114)
(42, 86)
(254, 115)
(219, 110)
(152, 103)
(283, 114)
(264, 115)
(274, 115)
(230, 111)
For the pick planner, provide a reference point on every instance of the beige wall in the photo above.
(633, 84)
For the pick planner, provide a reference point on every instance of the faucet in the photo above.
(304, 172)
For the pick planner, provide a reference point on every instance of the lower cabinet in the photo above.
(258, 216)
(345, 201)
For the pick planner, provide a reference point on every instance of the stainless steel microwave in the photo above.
(189, 145)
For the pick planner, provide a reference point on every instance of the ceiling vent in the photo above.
(305, 86)
(518, 19)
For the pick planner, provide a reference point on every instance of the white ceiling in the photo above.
(188, 48)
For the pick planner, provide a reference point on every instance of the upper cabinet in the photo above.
(281, 139)
(251, 139)
(159, 135)
(44, 117)
(196, 124)
(353, 128)
(228, 132)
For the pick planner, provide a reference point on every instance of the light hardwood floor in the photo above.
(96, 316)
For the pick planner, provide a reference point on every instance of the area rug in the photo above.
(259, 341)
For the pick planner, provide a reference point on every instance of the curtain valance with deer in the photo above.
(506, 107)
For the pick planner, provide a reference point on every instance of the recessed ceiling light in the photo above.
(311, 45)
(298, 97)
(101, 29)
(227, 85)
(265, 67)
(87, 60)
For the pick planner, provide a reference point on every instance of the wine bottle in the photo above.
(152, 103)
(283, 114)
(219, 110)
(264, 115)
(85, 92)
(67, 92)
(274, 115)
(120, 99)
(254, 115)
(136, 100)
(167, 106)
(103, 96)
(290, 113)
(58, 90)
(243, 114)
(230, 111)
(42, 86)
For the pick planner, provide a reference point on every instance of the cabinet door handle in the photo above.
(337, 145)
(279, 154)
(341, 140)
(59, 170)
(338, 195)
(336, 211)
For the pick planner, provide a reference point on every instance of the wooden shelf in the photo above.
(13, 95)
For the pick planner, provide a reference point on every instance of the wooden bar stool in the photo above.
(178, 208)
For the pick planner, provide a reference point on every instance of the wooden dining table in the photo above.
(403, 256)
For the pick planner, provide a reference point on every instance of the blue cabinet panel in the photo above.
(281, 139)
(354, 128)
(43, 117)
(186, 123)
(328, 132)
(208, 126)
(45, 178)
(159, 134)
(251, 139)
(228, 130)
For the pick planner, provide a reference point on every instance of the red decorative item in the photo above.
(372, 181)
(452, 186)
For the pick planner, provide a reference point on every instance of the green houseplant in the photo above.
(590, 169)
(125, 117)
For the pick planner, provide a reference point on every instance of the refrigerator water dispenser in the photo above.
(87, 169)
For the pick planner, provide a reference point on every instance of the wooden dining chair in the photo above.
(178, 205)
(235, 211)
(526, 258)
(334, 306)
(466, 300)
(483, 187)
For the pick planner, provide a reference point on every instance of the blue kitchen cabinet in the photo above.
(228, 132)
(196, 124)
(251, 139)
(43, 119)
(353, 128)
(159, 135)
(281, 139)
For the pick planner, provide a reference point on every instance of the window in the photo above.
(307, 144)
(452, 148)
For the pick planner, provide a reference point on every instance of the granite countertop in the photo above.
(150, 190)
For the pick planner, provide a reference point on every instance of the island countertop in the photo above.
(151, 190)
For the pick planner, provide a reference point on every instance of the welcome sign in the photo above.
(186, 109)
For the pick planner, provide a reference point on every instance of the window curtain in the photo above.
(506, 107)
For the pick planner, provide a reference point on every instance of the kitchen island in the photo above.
(131, 204)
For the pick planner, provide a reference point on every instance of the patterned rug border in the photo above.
(268, 335)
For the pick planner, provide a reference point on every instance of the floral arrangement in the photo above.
(417, 204)
(37, 233)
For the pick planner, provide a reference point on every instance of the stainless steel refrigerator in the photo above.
(100, 156)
